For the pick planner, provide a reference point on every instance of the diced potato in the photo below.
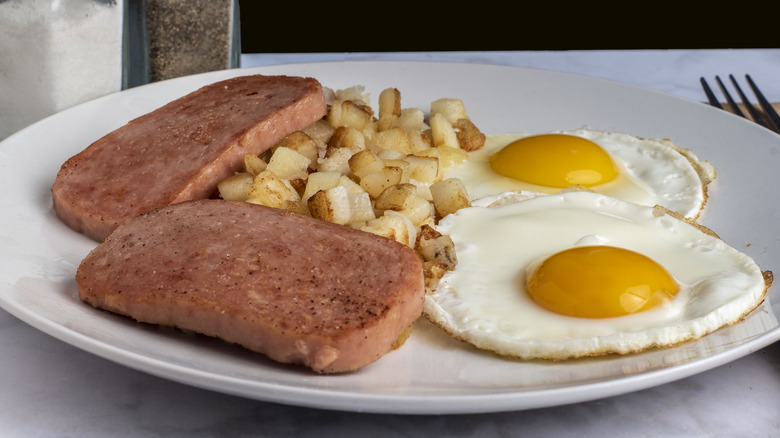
(375, 183)
(331, 205)
(320, 181)
(360, 207)
(396, 197)
(406, 235)
(389, 108)
(364, 162)
(337, 161)
(449, 156)
(378, 228)
(297, 206)
(424, 169)
(355, 92)
(303, 143)
(420, 211)
(352, 114)
(392, 226)
(390, 154)
(452, 109)
(442, 132)
(436, 247)
(470, 137)
(449, 195)
(320, 131)
(254, 164)
(299, 184)
(351, 186)
(346, 137)
(271, 190)
(289, 164)
(432, 273)
(236, 187)
(429, 152)
(423, 189)
(350, 167)
(400, 163)
(358, 225)
(418, 141)
(411, 119)
(393, 138)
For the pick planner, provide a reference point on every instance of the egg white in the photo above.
(652, 172)
(484, 301)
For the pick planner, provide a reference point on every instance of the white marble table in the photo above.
(50, 389)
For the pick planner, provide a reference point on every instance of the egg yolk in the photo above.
(555, 160)
(600, 282)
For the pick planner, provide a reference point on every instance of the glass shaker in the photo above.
(185, 37)
(55, 54)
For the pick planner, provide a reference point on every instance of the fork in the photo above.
(769, 120)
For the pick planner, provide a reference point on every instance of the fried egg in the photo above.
(644, 171)
(582, 274)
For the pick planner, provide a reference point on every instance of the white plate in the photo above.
(431, 373)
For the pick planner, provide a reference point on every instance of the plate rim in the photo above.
(357, 402)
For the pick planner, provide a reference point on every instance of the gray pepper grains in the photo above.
(191, 36)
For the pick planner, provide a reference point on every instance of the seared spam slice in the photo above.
(297, 289)
(180, 151)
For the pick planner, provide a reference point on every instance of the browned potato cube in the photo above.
(470, 137)
(395, 139)
(397, 197)
(364, 162)
(303, 143)
(297, 206)
(254, 164)
(320, 181)
(400, 163)
(346, 137)
(319, 131)
(449, 195)
(352, 114)
(424, 169)
(235, 187)
(451, 109)
(432, 273)
(389, 108)
(270, 190)
(288, 164)
(442, 132)
(331, 205)
(338, 161)
(436, 247)
(375, 183)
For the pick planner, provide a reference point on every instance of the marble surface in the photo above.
(50, 389)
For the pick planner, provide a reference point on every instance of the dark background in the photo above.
(376, 26)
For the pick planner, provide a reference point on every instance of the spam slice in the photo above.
(181, 150)
(297, 289)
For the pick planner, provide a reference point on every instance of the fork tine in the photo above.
(731, 102)
(771, 119)
(710, 96)
(768, 109)
(753, 113)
